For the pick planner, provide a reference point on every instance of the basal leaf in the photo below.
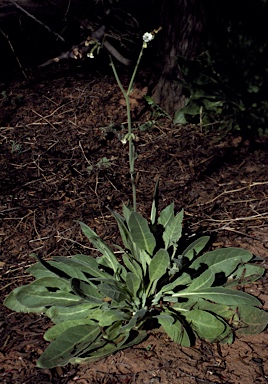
(101, 246)
(111, 316)
(83, 263)
(47, 291)
(133, 266)
(79, 311)
(133, 283)
(113, 292)
(195, 247)
(174, 329)
(56, 330)
(59, 352)
(109, 348)
(173, 230)
(12, 303)
(252, 320)
(140, 233)
(159, 265)
(123, 229)
(87, 291)
(206, 325)
(245, 274)
(166, 215)
(38, 270)
(220, 295)
(205, 280)
(126, 212)
(223, 260)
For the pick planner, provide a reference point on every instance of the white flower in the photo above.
(147, 37)
(90, 55)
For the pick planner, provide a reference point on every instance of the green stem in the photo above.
(131, 147)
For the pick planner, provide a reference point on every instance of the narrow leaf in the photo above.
(154, 208)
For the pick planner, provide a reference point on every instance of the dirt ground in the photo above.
(62, 160)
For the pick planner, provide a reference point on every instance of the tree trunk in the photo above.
(183, 22)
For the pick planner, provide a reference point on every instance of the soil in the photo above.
(63, 160)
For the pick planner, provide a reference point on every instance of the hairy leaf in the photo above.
(174, 329)
(159, 264)
(166, 215)
(195, 247)
(205, 324)
(101, 246)
(59, 352)
(47, 291)
(140, 233)
(173, 230)
(12, 303)
(220, 295)
(252, 320)
(223, 260)
(245, 274)
(133, 283)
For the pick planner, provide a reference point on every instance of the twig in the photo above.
(16, 57)
(235, 190)
(35, 19)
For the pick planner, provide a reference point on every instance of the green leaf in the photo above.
(123, 229)
(135, 337)
(113, 292)
(111, 316)
(173, 230)
(79, 311)
(59, 351)
(38, 270)
(159, 265)
(205, 280)
(132, 265)
(46, 291)
(206, 325)
(56, 330)
(174, 329)
(195, 247)
(166, 215)
(223, 260)
(245, 274)
(12, 303)
(87, 291)
(85, 263)
(133, 283)
(140, 233)
(252, 320)
(101, 246)
(220, 295)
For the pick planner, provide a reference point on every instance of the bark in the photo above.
(182, 22)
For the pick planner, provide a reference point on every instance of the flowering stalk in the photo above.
(147, 37)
